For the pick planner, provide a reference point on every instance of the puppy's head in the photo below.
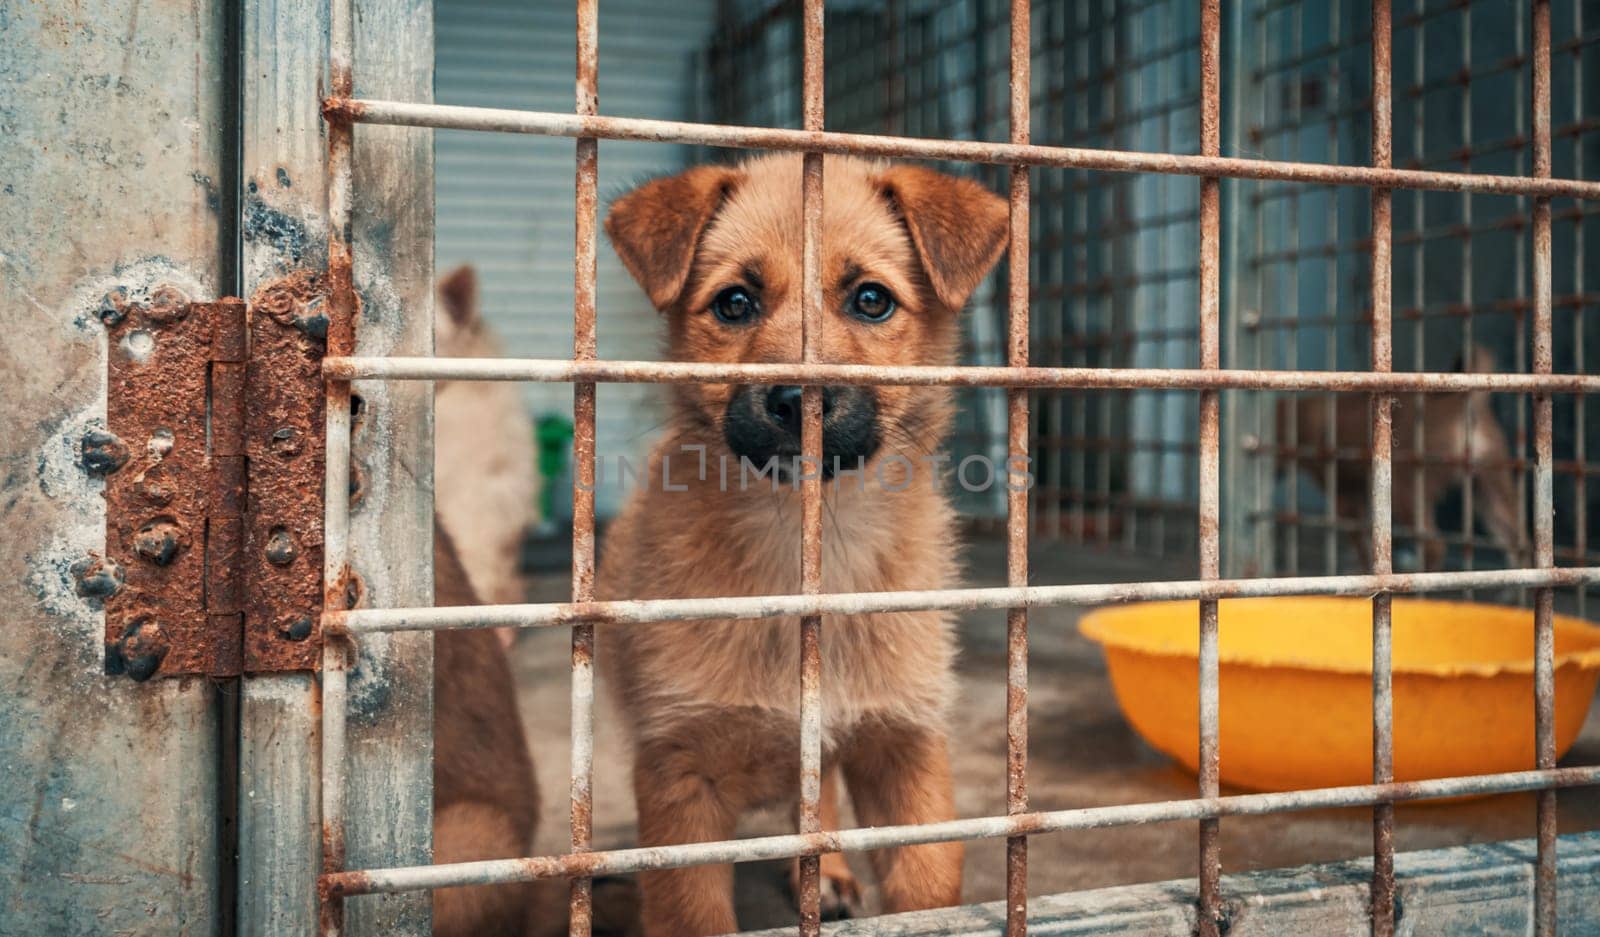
(718, 251)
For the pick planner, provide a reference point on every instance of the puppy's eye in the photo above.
(872, 302)
(734, 304)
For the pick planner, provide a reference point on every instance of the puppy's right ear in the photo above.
(656, 227)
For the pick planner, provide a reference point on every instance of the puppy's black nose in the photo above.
(783, 405)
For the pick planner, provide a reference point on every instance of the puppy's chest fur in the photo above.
(706, 542)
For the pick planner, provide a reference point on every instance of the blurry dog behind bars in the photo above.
(483, 463)
(1440, 441)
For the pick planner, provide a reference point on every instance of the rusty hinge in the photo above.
(212, 456)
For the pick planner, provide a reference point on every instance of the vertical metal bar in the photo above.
(1291, 300)
(580, 916)
(1269, 538)
(1420, 507)
(1580, 493)
(1210, 458)
(1016, 495)
(1382, 480)
(1544, 494)
(1468, 340)
(336, 488)
(811, 484)
(1521, 104)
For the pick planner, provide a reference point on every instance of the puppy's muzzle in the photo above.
(762, 422)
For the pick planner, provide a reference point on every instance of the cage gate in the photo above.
(1381, 382)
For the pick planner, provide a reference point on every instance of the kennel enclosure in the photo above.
(254, 179)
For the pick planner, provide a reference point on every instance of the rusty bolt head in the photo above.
(167, 304)
(314, 326)
(103, 452)
(158, 541)
(287, 441)
(113, 308)
(153, 489)
(138, 653)
(297, 629)
(275, 301)
(354, 590)
(281, 548)
(95, 577)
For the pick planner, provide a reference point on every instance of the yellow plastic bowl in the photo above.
(1296, 686)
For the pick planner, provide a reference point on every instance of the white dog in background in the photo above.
(483, 457)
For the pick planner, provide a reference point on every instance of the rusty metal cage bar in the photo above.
(563, 371)
(646, 611)
(757, 849)
(585, 212)
(1579, 442)
(553, 124)
(1210, 513)
(1017, 517)
(1382, 340)
(336, 487)
(585, 371)
(810, 897)
(1544, 686)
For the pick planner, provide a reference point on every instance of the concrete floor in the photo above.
(1081, 753)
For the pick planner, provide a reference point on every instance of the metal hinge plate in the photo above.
(212, 458)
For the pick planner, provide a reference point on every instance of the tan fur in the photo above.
(485, 798)
(713, 705)
(1453, 426)
(483, 464)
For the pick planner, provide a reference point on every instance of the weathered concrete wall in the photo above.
(112, 148)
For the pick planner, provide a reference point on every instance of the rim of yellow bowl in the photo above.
(1100, 626)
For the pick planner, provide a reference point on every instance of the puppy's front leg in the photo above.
(900, 774)
(678, 803)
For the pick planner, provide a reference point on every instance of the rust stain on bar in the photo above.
(400, 113)
(1211, 914)
(1017, 340)
(340, 340)
(1545, 923)
(767, 848)
(1382, 477)
(586, 103)
(683, 372)
(810, 897)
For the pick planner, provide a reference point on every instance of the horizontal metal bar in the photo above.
(642, 611)
(765, 848)
(544, 123)
(687, 372)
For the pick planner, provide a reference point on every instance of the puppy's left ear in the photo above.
(957, 226)
(458, 293)
(656, 227)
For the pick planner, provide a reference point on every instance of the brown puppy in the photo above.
(713, 705)
(485, 799)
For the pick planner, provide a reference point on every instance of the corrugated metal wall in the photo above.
(504, 202)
